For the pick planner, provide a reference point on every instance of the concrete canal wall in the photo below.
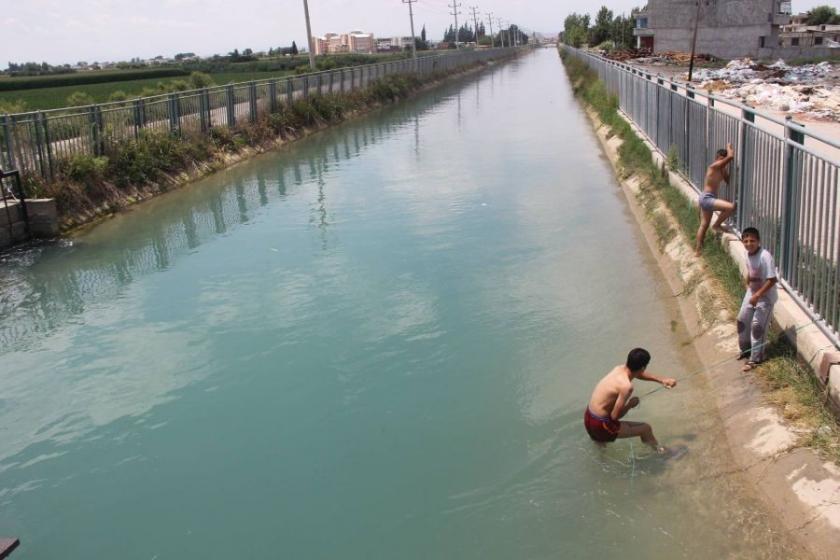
(35, 218)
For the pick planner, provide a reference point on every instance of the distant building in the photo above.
(727, 28)
(799, 34)
(353, 42)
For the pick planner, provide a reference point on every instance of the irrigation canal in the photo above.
(377, 343)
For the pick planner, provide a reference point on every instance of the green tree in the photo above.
(600, 32)
(294, 50)
(576, 30)
(823, 15)
(423, 33)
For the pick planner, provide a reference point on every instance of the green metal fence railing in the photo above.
(35, 142)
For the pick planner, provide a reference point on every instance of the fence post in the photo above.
(332, 80)
(138, 117)
(290, 85)
(174, 114)
(746, 116)
(231, 109)
(789, 206)
(202, 109)
(96, 130)
(252, 101)
(46, 130)
(10, 149)
(208, 108)
(320, 84)
(39, 144)
(272, 96)
(306, 87)
(352, 79)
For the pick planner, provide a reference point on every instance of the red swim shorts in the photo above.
(600, 428)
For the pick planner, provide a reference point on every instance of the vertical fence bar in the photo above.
(202, 111)
(789, 214)
(230, 99)
(289, 92)
(10, 145)
(174, 120)
(48, 144)
(272, 96)
(39, 144)
(252, 102)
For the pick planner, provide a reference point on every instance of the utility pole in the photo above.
(694, 40)
(501, 32)
(455, 12)
(309, 36)
(413, 38)
(474, 10)
(492, 38)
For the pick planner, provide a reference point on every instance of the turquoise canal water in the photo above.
(377, 343)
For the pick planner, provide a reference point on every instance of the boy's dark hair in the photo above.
(752, 232)
(638, 359)
(722, 153)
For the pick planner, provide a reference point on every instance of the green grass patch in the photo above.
(791, 385)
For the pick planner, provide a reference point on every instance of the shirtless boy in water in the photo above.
(611, 400)
(717, 172)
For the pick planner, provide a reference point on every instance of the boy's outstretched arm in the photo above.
(762, 290)
(668, 382)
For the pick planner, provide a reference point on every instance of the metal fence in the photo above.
(36, 142)
(784, 179)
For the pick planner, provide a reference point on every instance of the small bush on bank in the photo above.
(85, 169)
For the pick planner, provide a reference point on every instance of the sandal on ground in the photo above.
(750, 365)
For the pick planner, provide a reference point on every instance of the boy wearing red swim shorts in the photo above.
(612, 399)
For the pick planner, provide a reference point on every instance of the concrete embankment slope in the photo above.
(793, 480)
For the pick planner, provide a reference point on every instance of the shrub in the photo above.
(673, 158)
(16, 106)
(200, 80)
(118, 95)
(79, 99)
(84, 168)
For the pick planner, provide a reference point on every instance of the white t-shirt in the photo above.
(760, 268)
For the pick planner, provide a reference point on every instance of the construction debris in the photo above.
(801, 90)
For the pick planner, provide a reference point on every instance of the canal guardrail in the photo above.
(35, 142)
(785, 178)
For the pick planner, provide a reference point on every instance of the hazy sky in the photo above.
(60, 31)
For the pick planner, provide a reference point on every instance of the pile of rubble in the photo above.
(811, 90)
(673, 58)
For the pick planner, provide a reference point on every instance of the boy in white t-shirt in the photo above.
(757, 307)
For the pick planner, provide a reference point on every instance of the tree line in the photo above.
(615, 30)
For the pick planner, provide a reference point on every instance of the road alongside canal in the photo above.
(377, 343)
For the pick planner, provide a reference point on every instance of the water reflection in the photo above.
(43, 287)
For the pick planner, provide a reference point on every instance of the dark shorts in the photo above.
(599, 428)
(707, 201)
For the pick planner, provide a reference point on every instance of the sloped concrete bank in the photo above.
(795, 483)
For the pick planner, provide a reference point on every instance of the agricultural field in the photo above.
(50, 92)
(56, 97)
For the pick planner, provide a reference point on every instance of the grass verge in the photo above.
(789, 382)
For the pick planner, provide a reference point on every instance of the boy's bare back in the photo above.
(607, 391)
